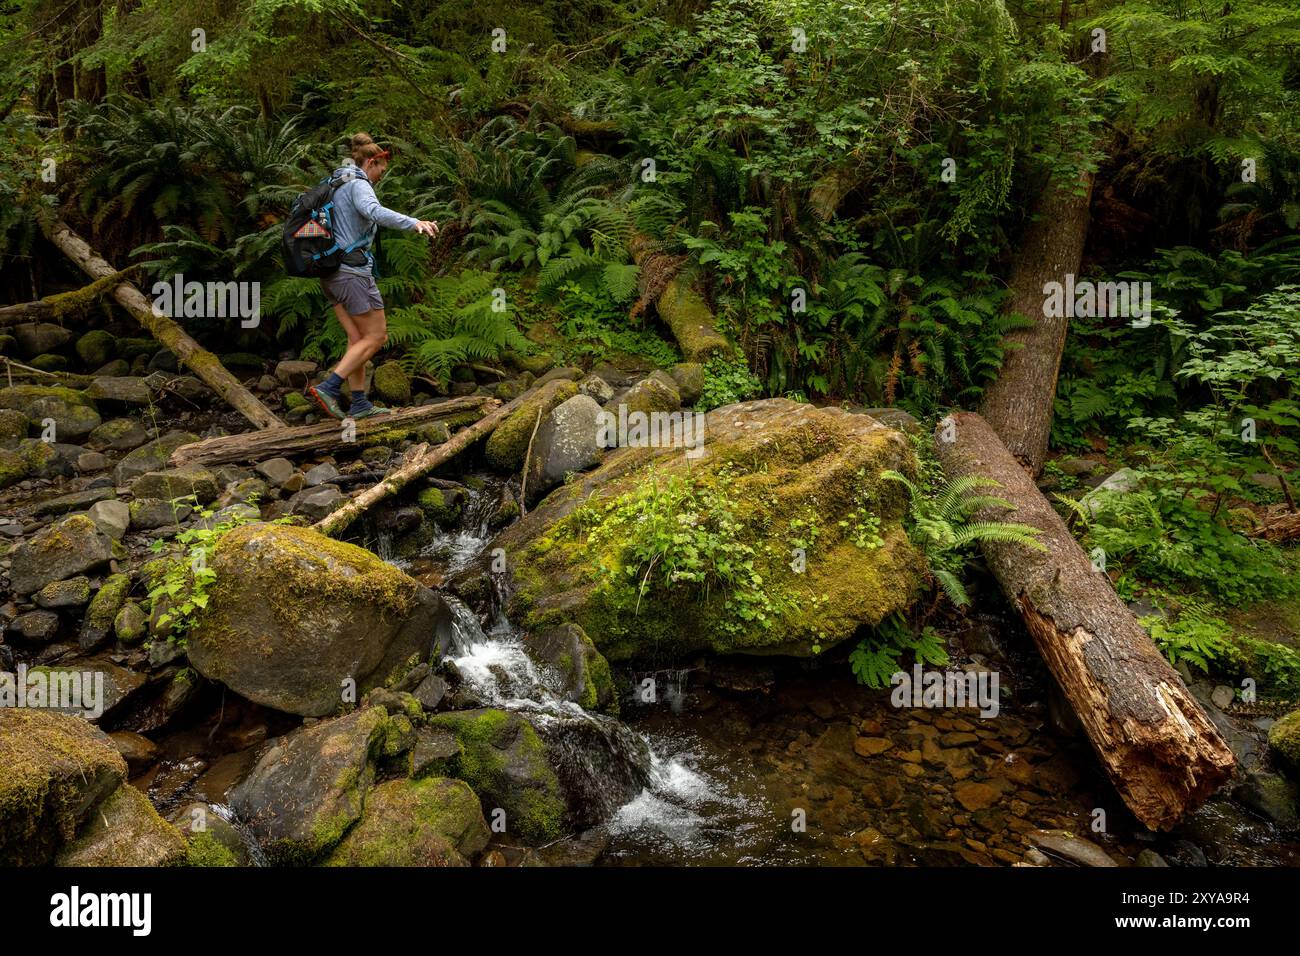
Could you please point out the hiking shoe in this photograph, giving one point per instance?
(328, 403)
(372, 410)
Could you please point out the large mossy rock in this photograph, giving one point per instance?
(504, 760)
(584, 672)
(311, 785)
(294, 618)
(125, 830)
(151, 456)
(74, 415)
(802, 502)
(508, 443)
(1284, 741)
(429, 822)
(54, 770)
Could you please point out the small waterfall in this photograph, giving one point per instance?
(461, 547)
(611, 771)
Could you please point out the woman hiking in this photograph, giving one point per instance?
(352, 289)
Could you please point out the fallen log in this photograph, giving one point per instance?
(1161, 752)
(682, 309)
(305, 439)
(421, 461)
(1283, 528)
(197, 359)
(25, 373)
(62, 304)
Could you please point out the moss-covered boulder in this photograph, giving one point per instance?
(74, 415)
(295, 619)
(1284, 742)
(172, 483)
(311, 785)
(96, 347)
(70, 546)
(781, 539)
(429, 822)
(119, 434)
(584, 673)
(13, 425)
(97, 627)
(508, 444)
(505, 762)
(211, 839)
(125, 830)
(442, 506)
(392, 384)
(53, 770)
(13, 468)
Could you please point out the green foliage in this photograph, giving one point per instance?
(940, 526)
(596, 328)
(182, 589)
(726, 381)
(1196, 637)
(676, 534)
(876, 658)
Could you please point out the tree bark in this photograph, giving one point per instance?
(420, 462)
(305, 439)
(1162, 753)
(198, 359)
(1019, 403)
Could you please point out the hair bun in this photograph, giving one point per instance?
(361, 139)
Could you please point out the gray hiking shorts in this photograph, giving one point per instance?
(358, 294)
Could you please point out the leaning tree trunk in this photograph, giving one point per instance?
(1162, 753)
(1019, 403)
(198, 359)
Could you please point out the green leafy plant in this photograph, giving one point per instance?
(939, 524)
(183, 586)
(876, 658)
(726, 381)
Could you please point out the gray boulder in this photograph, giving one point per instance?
(70, 546)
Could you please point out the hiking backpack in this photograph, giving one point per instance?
(307, 238)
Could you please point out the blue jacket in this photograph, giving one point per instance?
(358, 214)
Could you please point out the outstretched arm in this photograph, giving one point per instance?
(368, 205)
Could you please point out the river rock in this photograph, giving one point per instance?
(70, 546)
(504, 761)
(310, 786)
(1284, 742)
(37, 337)
(97, 626)
(73, 414)
(122, 390)
(74, 592)
(1066, 845)
(74, 501)
(508, 443)
(13, 425)
(597, 388)
(315, 503)
(54, 769)
(392, 384)
(565, 444)
(174, 483)
(276, 470)
(13, 467)
(111, 516)
(96, 347)
(150, 513)
(292, 373)
(36, 627)
(584, 672)
(125, 830)
(293, 615)
(137, 750)
(212, 839)
(151, 456)
(765, 463)
(689, 378)
(429, 822)
(119, 434)
(130, 623)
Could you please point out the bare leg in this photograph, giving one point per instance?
(357, 380)
(373, 327)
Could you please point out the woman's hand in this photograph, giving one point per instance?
(426, 227)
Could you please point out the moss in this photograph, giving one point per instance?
(96, 347)
(392, 384)
(427, 822)
(294, 400)
(52, 769)
(13, 468)
(108, 602)
(822, 469)
(508, 444)
(1284, 741)
(24, 397)
(691, 321)
(204, 849)
(507, 765)
(436, 506)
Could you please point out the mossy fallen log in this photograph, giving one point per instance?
(682, 309)
(197, 359)
(63, 304)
